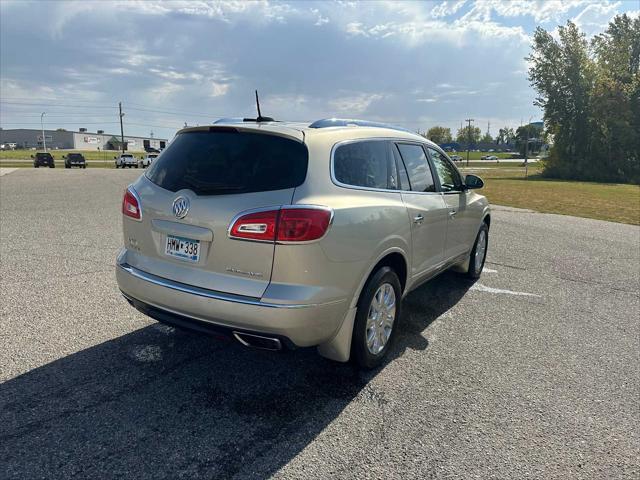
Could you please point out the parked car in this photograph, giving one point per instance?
(126, 160)
(43, 159)
(286, 236)
(456, 158)
(147, 159)
(74, 160)
(489, 157)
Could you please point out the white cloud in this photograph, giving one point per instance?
(447, 8)
(355, 104)
(219, 89)
(595, 17)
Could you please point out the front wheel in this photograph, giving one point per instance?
(376, 318)
(479, 252)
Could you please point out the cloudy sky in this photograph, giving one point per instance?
(415, 64)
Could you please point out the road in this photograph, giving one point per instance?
(533, 371)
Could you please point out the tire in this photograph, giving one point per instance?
(477, 264)
(67, 166)
(36, 166)
(52, 166)
(368, 345)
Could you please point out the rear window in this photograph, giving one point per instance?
(75, 156)
(43, 155)
(228, 161)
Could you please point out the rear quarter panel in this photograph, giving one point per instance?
(366, 225)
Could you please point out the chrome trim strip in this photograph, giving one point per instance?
(213, 294)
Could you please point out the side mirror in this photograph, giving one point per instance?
(473, 181)
(64, 156)
(115, 158)
(31, 156)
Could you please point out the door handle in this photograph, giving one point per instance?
(452, 213)
(418, 219)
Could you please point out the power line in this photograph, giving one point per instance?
(56, 105)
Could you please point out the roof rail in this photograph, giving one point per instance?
(348, 122)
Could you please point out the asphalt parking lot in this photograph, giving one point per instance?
(532, 372)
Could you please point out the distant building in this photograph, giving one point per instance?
(80, 140)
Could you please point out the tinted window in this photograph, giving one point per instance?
(403, 177)
(213, 162)
(417, 166)
(43, 156)
(447, 174)
(364, 164)
(75, 156)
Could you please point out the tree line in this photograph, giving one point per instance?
(589, 91)
(590, 94)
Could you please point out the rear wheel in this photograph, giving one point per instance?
(376, 318)
(479, 252)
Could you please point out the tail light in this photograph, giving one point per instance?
(131, 204)
(286, 224)
(256, 226)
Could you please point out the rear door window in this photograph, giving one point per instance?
(365, 163)
(415, 161)
(216, 162)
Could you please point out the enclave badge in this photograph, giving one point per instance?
(181, 207)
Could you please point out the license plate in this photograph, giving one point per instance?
(184, 248)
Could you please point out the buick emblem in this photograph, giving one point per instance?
(181, 207)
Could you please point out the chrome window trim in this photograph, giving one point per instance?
(338, 183)
(213, 294)
(279, 207)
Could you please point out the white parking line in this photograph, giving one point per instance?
(6, 171)
(483, 288)
(489, 270)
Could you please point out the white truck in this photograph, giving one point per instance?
(147, 159)
(126, 160)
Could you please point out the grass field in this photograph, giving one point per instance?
(603, 201)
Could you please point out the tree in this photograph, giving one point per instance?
(439, 135)
(464, 137)
(505, 135)
(590, 94)
(531, 134)
(486, 138)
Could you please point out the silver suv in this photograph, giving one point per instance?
(289, 235)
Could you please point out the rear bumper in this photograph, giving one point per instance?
(301, 325)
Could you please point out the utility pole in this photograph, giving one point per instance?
(468, 120)
(121, 128)
(44, 139)
(526, 151)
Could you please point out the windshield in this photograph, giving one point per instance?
(219, 162)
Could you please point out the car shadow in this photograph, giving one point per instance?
(164, 403)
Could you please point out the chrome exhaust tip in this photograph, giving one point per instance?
(258, 341)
